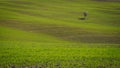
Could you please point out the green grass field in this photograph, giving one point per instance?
(50, 34)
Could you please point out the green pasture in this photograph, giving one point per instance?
(51, 34)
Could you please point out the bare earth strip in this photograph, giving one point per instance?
(63, 32)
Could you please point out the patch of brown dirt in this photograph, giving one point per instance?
(63, 32)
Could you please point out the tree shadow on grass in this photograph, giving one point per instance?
(82, 18)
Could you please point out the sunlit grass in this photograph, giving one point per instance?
(48, 34)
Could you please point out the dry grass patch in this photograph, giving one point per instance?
(64, 32)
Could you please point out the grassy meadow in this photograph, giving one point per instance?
(51, 34)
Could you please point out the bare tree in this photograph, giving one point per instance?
(85, 14)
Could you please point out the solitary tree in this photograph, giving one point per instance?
(85, 14)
